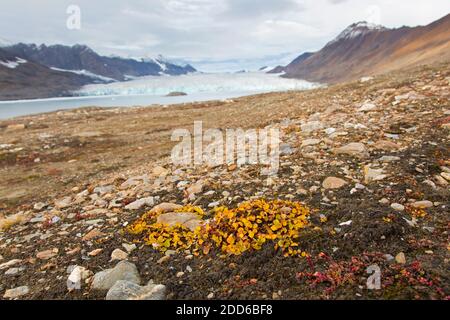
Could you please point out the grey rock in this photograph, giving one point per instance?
(140, 203)
(16, 292)
(124, 270)
(126, 290)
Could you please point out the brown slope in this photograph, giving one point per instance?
(31, 80)
(376, 52)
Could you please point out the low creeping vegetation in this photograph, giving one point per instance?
(233, 231)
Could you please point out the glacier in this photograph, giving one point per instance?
(196, 83)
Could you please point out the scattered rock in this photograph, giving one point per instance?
(91, 235)
(386, 145)
(422, 204)
(124, 270)
(47, 254)
(138, 204)
(126, 290)
(63, 203)
(368, 106)
(400, 258)
(353, 149)
(312, 126)
(16, 292)
(9, 264)
(129, 247)
(371, 175)
(95, 252)
(118, 254)
(77, 275)
(398, 207)
(445, 175)
(333, 183)
(310, 142)
(160, 171)
(16, 127)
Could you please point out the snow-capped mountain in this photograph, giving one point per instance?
(30, 71)
(24, 79)
(364, 49)
(358, 29)
(80, 58)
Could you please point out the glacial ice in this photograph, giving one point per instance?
(256, 82)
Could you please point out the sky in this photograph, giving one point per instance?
(212, 35)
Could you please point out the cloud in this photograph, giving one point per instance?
(209, 32)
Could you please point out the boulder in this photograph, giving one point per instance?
(126, 290)
(124, 270)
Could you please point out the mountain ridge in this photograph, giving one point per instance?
(363, 50)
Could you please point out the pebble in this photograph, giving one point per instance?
(129, 247)
(10, 263)
(47, 254)
(354, 149)
(400, 258)
(397, 207)
(446, 175)
(333, 183)
(95, 252)
(118, 254)
(127, 290)
(422, 204)
(16, 292)
(138, 204)
(124, 270)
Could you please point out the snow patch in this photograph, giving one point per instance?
(13, 64)
(87, 74)
(356, 30)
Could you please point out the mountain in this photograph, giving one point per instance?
(28, 71)
(80, 57)
(365, 49)
(23, 79)
(299, 59)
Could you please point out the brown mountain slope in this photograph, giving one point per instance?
(29, 80)
(361, 51)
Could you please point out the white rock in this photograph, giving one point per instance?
(124, 270)
(126, 290)
(333, 183)
(118, 254)
(10, 263)
(422, 204)
(368, 106)
(138, 204)
(354, 149)
(16, 292)
(311, 126)
(397, 207)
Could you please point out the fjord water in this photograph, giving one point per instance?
(147, 91)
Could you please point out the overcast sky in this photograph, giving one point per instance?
(211, 34)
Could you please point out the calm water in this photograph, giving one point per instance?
(10, 109)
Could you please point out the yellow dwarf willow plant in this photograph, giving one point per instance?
(233, 231)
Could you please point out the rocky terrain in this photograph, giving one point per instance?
(365, 49)
(365, 163)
